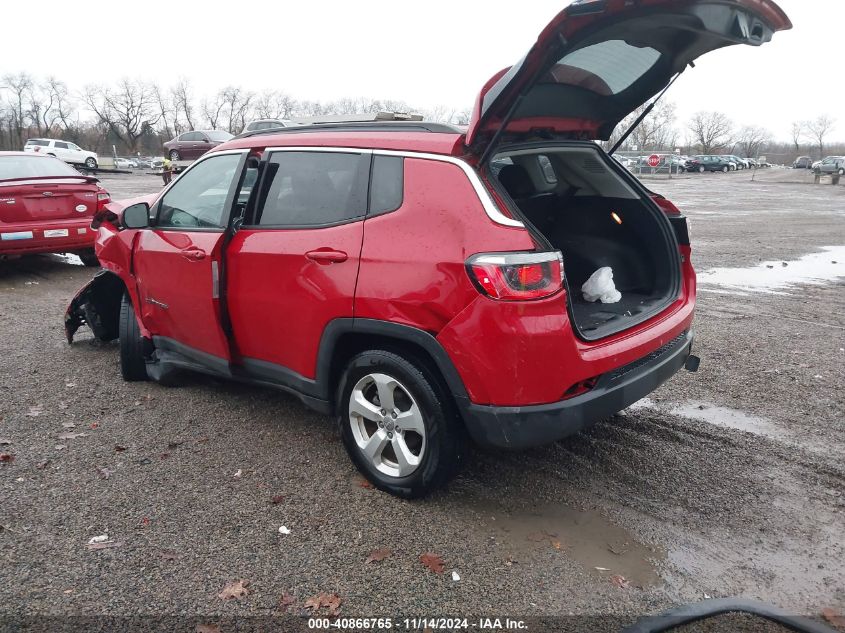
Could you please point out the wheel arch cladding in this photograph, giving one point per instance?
(98, 306)
(344, 338)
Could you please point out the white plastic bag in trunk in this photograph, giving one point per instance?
(600, 287)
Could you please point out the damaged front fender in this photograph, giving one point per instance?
(96, 305)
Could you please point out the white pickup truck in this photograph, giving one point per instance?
(63, 150)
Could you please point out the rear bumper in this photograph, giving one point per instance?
(524, 427)
(46, 237)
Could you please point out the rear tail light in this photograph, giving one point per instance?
(103, 198)
(517, 276)
(666, 206)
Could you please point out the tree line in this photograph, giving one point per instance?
(137, 116)
(716, 133)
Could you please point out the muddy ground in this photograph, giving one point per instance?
(728, 482)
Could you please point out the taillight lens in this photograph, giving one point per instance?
(103, 198)
(665, 205)
(517, 276)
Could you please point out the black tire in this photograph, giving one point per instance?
(701, 169)
(174, 154)
(89, 257)
(725, 169)
(132, 345)
(445, 437)
(91, 163)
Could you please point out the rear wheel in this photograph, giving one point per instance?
(174, 154)
(91, 162)
(398, 424)
(701, 169)
(89, 257)
(133, 365)
(841, 171)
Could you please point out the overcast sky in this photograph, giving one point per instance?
(425, 53)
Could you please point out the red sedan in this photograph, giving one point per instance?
(46, 206)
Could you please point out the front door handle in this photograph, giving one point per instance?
(194, 254)
(327, 256)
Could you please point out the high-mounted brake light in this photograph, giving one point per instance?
(517, 276)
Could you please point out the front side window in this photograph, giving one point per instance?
(198, 199)
(301, 189)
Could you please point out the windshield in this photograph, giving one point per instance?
(217, 135)
(34, 167)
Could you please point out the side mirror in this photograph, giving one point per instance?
(136, 216)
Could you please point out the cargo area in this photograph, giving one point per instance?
(583, 206)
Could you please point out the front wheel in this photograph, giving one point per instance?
(89, 257)
(174, 154)
(842, 172)
(91, 162)
(133, 346)
(701, 169)
(399, 424)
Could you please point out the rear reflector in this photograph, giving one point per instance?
(517, 276)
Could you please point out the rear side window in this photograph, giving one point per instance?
(61, 145)
(301, 189)
(37, 141)
(388, 184)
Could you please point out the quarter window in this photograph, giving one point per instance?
(313, 189)
(198, 198)
(388, 184)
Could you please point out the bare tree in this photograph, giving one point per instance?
(127, 110)
(752, 139)
(711, 131)
(183, 102)
(656, 131)
(797, 133)
(20, 87)
(272, 104)
(231, 108)
(819, 128)
(166, 111)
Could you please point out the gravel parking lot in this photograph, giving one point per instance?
(728, 482)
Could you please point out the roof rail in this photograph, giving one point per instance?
(374, 126)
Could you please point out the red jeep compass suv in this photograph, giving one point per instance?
(423, 284)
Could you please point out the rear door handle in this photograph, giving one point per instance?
(327, 256)
(194, 254)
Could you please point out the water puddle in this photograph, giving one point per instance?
(774, 277)
(599, 546)
(69, 258)
(728, 418)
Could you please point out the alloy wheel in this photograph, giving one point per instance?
(387, 425)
